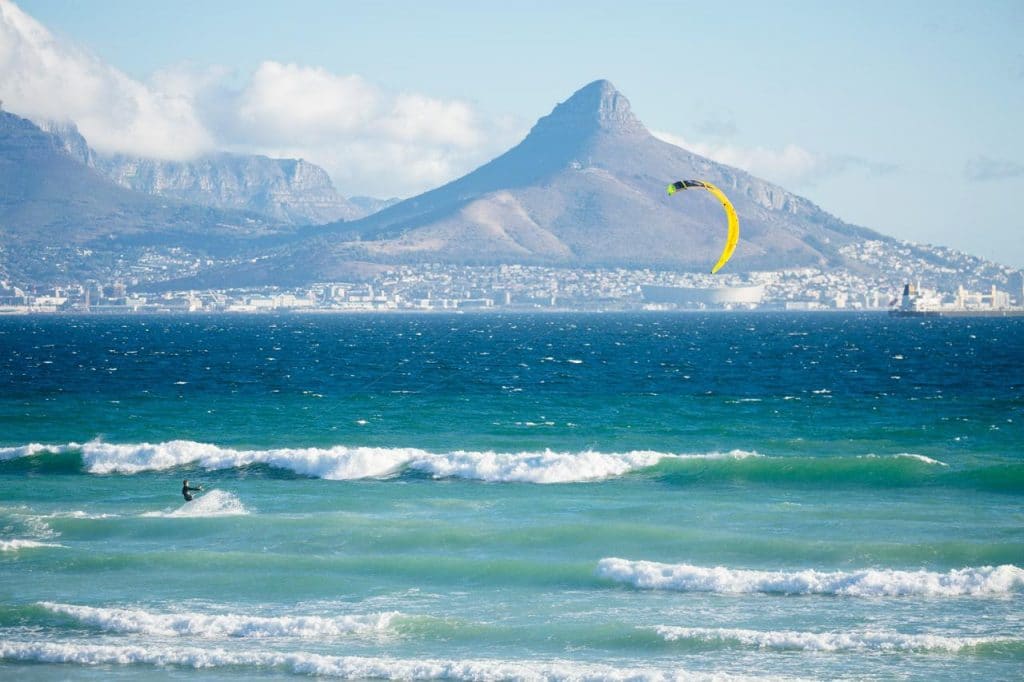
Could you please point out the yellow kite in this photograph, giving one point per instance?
(730, 212)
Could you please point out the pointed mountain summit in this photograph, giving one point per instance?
(585, 188)
(593, 108)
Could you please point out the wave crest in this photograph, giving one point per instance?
(24, 450)
(344, 463)
(983, 581)
(867, 640)
(19, 543)
(344, 667)
(527, 467)
(223, 625)
(351, 463)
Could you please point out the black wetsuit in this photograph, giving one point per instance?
(185, 490)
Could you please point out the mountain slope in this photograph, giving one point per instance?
(61, 220)
(586, 187)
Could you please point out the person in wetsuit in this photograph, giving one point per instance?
(185, 490)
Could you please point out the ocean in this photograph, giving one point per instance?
(528, 497)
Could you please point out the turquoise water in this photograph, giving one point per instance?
(512, 497)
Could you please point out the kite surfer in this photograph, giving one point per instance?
(186, 490)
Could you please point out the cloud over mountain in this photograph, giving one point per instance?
(44, 78)
(370, 140)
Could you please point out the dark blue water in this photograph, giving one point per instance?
(512, 496)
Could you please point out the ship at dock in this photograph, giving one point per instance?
(919, 302)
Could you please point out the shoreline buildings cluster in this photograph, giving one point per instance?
(436, 287)
(917, 301)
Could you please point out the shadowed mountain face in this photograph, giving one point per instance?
(586, 187)
(60, 219)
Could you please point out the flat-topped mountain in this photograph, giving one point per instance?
(61, 220)
(291, 191)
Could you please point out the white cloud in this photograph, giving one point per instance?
(792, 166)
(370, 140)
(296, 103)
(414, 117)
(42, 78)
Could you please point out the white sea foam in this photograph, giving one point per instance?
(338, 463)
(982, 581)
(909, 455)
(26, 450)
(37, 526)
(867, 640)
(534, 467)
(224, 625)
(349, 463)
(20, 543)
(213, 503)
(731, 454)
(78, 514)
(344, 667)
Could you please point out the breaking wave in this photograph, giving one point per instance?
(28, 450)
(344, 667)
(983, 581)
(18, 543)
(351, 463)
(223, 625)
(868, 640)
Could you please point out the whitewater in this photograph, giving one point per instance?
(489, 497)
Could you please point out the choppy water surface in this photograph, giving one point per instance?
(512, 497)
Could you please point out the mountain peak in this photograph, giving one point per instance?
(596, 106)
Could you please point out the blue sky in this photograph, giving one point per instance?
(901, 116)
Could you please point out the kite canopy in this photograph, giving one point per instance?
(734, 221)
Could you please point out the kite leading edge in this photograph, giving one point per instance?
(733, 237)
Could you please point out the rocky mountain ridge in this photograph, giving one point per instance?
(291, 191)
(61, 220)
